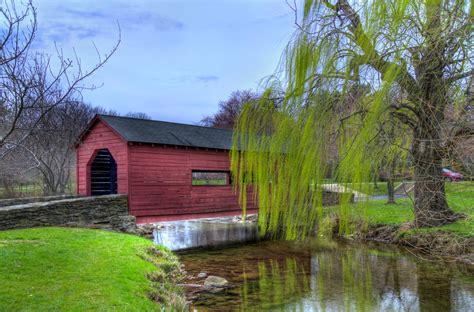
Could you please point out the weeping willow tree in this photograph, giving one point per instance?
(282, 152)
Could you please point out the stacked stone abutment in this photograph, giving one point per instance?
(108, 212)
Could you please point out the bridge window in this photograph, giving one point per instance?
(202, 177)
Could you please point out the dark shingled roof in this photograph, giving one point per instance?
(170, 133)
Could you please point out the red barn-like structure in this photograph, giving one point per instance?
(169, 171)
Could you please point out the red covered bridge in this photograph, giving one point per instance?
(170, 171)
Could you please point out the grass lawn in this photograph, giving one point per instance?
(381, 188)
(29, 190)
(460, 198)
(368, 187)
(67, 269)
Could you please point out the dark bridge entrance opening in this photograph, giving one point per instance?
(103, 174)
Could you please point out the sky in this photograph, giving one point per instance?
(177, 59)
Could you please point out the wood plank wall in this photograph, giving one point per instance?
(161, 183)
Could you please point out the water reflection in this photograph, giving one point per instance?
(328, 276)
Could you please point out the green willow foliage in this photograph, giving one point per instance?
(338, 72)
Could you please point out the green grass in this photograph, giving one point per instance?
(370, 189)
(66, 269)
(460, 198)
(29, 190)
(381, 188)
(32, 190)
(367, 187)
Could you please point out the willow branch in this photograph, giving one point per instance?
(371, 56)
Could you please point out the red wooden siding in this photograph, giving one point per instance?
(158, 179)
(161, 189)
(101, 136)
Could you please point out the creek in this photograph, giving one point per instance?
(317, 274)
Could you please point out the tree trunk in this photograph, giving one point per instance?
(390, 191)
(390, 183)
(48, 187)
(376, 176)
(431, 207)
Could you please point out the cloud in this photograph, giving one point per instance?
(63, 23)
(157, 22)
(133, 17)
(84, 13)
(207, 78)
(81, 32)
(264, 20)
(181, 80)
(62, 32)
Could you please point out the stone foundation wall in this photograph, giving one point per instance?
(110, 212)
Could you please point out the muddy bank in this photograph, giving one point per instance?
(165, 282)
(438, 245)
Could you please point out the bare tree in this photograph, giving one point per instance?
(51, 144)
(31, 84)
(229, 109)
(138, 115)
(17, 174)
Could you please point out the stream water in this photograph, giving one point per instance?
(319, 275)
(315, 275)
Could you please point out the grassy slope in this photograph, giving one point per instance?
(73, 269)
(460, 197)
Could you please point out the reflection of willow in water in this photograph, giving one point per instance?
(342, 282)
(329, 276)
(356, 280)
(277, 286)
(332, 283)
(353, 280)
